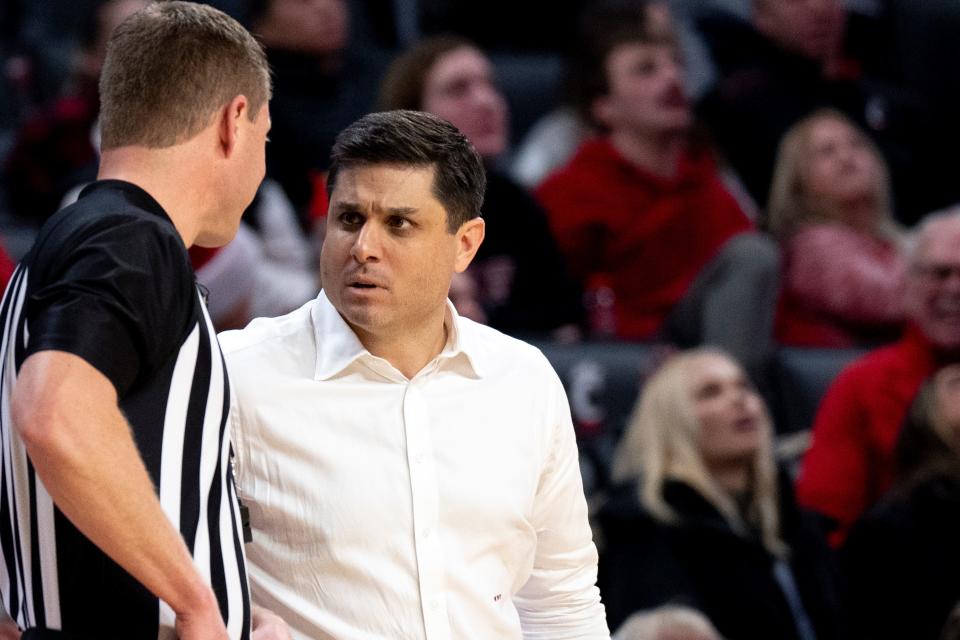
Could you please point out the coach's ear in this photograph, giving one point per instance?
(469, 237)
(229, 121)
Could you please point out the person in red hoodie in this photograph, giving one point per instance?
(643, 208)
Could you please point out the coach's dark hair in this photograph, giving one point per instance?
(416, 139)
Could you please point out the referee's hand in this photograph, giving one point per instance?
(202, 621)
(9, 630)
(267, 625)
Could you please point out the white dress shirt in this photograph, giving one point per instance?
(444, 506)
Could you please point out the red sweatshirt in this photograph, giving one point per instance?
(648, 235)
(851, 459)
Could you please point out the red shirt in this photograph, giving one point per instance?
(7, 268)
(851, 460)
(650, 236)
(841, 288)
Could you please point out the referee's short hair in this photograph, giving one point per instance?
(170, 67)
(416, 139)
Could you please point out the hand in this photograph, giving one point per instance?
(267, 626)
(202, 621)
(9, 630)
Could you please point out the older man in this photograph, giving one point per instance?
(409, 473)
(850, 463)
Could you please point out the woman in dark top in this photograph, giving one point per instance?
(702, 518)
(902, 559)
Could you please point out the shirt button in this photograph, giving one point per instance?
(419, 458)
(426, 533)
(435, 604)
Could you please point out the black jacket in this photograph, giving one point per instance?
(541, 294)
(902, 562)
(701, 562)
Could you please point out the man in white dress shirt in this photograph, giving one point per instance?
(410, 474)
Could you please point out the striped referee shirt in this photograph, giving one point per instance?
(109, 280)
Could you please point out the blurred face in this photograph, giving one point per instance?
(388, 257)
(947, 399)
(811, 28)
(841, 168)
(933, 286)
(465, 296)
(110, 16)
(658, 19)
(460, 88)
(646, 95)
(730, 411)
(310, 26)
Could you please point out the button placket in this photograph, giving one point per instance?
(424, 491)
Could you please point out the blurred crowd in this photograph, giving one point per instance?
(726, 177)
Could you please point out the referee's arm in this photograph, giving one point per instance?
(67, 415)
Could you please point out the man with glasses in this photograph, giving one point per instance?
(851, 460)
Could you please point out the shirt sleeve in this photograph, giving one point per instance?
(560, 600)
(834, 476)
(832, 271)
(120, 298)
(581, 236)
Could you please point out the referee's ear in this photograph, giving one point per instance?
(230, 119)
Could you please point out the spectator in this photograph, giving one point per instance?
(669, 622)
(701, 518)
(521, 277)
(850, 461)
(951, 631)
(842, 251)
(321, 84)
(795, 56)
(643, 208)
(56, 149)
(463, 295)
(554, 138)
(911, 592)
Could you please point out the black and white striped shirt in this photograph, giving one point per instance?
(109, 280)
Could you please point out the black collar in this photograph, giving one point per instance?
(131, 192)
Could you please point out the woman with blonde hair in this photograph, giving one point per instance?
(843, 262)
(701, 517)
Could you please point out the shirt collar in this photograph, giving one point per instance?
(134, 194)
(463, 344)
(338, 346)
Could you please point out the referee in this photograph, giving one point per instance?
(118, 513)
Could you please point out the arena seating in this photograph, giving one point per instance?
(602, 380)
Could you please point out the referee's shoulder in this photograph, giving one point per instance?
(268, 333)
